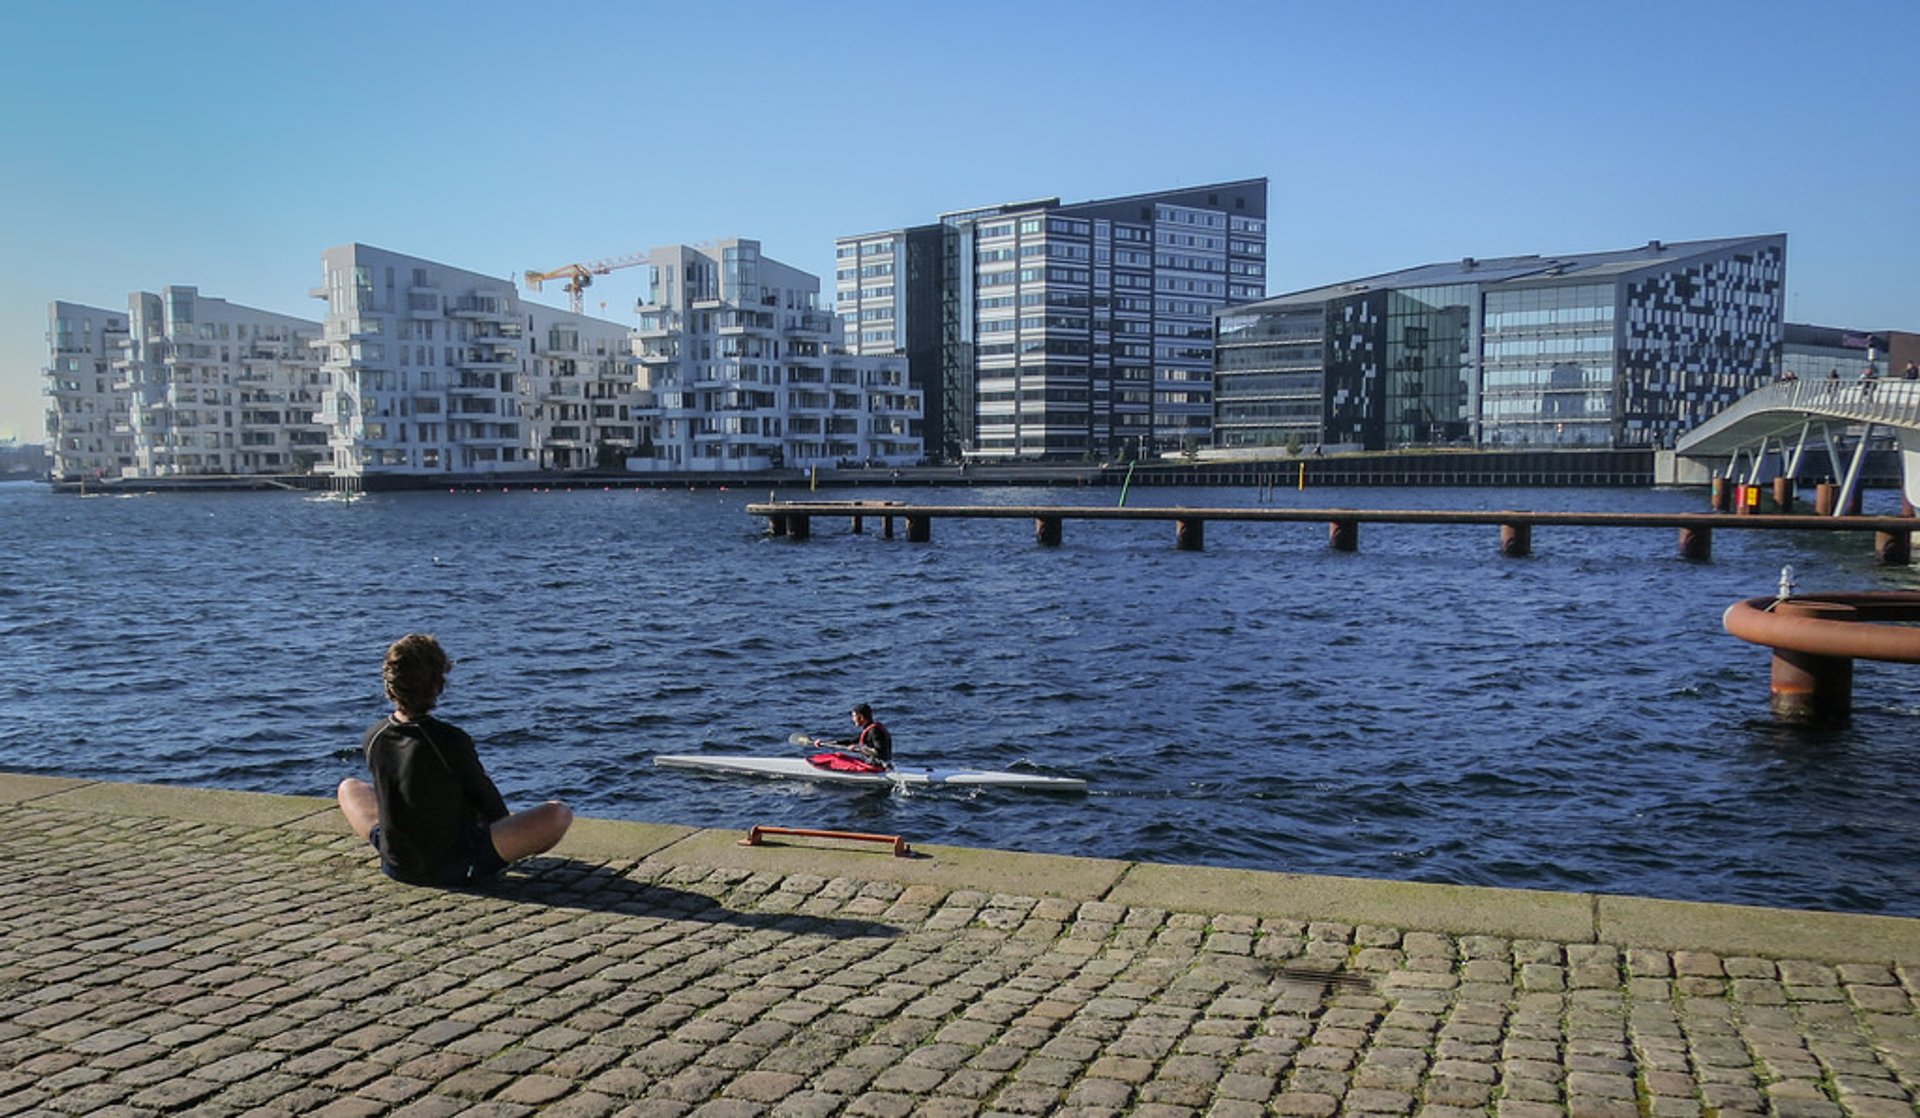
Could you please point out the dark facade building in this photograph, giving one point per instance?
(1609, 349)
(1043, 330)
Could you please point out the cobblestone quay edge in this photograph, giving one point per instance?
(174, 949)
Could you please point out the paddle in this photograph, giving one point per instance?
(803, 739)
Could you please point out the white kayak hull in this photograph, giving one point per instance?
(797, 768)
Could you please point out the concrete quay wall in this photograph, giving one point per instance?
(169, 949)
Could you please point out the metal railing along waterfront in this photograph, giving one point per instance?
(793, 519)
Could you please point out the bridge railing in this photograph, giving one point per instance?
(1875, 401)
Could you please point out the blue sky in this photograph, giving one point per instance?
(226, 144)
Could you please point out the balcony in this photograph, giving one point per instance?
(486, 359)
(480, 308)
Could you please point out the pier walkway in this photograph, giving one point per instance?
(170, 950)
(1892, 534)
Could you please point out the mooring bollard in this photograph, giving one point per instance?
(1805, 686)
(1516, 540)
(1696, 543)
(1190, 534)
(1344, 535)
(1046, 531)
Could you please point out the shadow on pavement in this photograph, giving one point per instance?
(591, 887)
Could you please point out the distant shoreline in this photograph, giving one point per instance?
(1419, 469)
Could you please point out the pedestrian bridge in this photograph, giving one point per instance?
(1768, 432)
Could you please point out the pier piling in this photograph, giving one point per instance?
(1344, 535)
(1046, 531)
(1190, 534)
(1696, 543)
(1516, 540)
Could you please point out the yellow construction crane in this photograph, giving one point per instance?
(579, 277)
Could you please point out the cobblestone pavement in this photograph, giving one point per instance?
(153, 965)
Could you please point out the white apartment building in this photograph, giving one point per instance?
(437, 370)
(87, 431)
(746, 372)
(579, 397)
(218, 388)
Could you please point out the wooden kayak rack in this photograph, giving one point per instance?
(756, 833)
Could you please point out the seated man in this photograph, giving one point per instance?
(432, 812)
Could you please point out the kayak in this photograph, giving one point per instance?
(797, 768)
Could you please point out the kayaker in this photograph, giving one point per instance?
(432, 812)
(872, 738)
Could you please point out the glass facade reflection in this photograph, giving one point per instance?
(1547, 367)
(1430, 335)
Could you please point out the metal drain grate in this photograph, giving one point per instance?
(1329, 979)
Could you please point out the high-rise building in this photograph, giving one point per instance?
(746, 372)
(218, 388)
(87, 431)
(1607, 349)
(1042, 330)
(437, 370)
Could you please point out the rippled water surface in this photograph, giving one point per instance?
(1422, 709)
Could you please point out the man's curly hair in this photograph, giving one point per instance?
(416, 671)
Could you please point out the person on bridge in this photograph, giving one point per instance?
(1911, 372)
(432, 812)
(1866, 382)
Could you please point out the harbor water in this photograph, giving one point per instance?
(1422, 709)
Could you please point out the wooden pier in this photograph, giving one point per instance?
(794, 520)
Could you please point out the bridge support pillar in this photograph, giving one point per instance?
(1046, 531)
(919, 529)
(1783, 494)
(1516, 540)
(1344, 535)
(1696, 543)
(1893, 549)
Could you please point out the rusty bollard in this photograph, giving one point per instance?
(1805, 686)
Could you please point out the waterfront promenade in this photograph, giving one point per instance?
(182, 950)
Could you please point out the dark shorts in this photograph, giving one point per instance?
(477, 861)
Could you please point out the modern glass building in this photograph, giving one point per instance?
(1610, 349)
(1042, 330)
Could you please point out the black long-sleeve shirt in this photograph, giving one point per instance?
(432, 790)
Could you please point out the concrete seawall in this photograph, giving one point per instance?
(172, 949)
